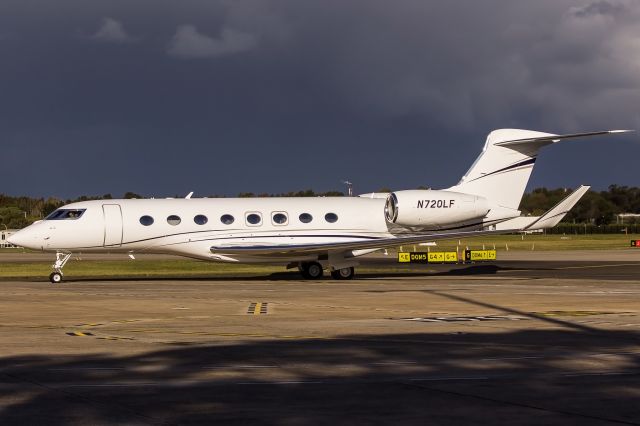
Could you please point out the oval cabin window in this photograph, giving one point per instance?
(146, 220)
(331, 217)
(226, 219)
(305, 218)
(254, 219)
(279, 219)
(200, 219)
(174, 220)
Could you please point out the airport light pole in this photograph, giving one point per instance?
(349, 187)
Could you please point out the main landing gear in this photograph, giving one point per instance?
(61, 259)
(313, 271)
(343, 274)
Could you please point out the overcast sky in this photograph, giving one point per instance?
(220, 97)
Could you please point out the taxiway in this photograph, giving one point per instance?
(519, 342)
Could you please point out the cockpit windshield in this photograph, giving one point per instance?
(66, 214)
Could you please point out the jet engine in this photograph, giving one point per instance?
(433, 209)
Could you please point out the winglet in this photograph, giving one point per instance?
(558, 212)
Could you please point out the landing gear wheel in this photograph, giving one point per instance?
(311, 270)
(343, 274)
(61, 259)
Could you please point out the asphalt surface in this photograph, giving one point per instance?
(516, 342)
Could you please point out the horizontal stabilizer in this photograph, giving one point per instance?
(549, 139)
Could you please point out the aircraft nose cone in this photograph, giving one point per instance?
(23, 238)
(14, 239)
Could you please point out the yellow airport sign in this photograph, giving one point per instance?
(428, 257)
(416, 257)
(419, 257)
(479, 255)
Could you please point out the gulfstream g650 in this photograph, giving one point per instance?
(313, 234)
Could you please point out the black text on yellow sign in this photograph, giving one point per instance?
(428, 257)
(479, 255)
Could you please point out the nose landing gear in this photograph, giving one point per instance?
(61, 259)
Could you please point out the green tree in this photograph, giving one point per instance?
(13, 217)
(130, 195)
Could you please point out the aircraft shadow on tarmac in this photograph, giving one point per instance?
(521, 377)
(441, 270)
(286, 276)
(521, 269)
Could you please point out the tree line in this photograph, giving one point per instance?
(595, 208)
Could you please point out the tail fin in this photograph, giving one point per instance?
(502, 171)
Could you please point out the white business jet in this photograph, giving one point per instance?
(313, 234)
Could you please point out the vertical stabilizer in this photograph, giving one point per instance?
(502, 171)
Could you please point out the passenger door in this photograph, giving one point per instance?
(112, 225)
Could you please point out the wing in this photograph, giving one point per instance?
(323, 248)
(557, 213)
(550, 218)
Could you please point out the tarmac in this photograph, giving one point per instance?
(535, 338)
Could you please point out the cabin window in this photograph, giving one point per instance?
(227, 219)
(174, 220)
(146, 220)
(200, 219)
(253, 219)
(331, 217)
(305, 218)
(279, 218)
(66, 214)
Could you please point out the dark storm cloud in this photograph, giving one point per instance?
(598, 8)
(189, 43)
(112, 31)
(220, 97)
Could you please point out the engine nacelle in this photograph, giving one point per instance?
(433, 209)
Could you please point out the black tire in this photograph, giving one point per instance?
(55, 277)
(311, 270)
(343, 274)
